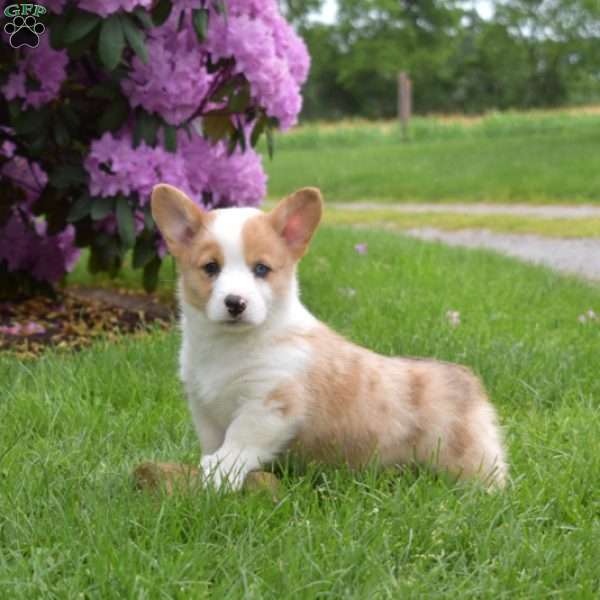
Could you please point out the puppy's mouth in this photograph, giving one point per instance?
(236, 323)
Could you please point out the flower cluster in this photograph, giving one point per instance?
(25, 245)
(266, 50)
(46, 66)
(199, 168)
(107, 7)
(55, 6)
(174, 80)
(268, 53)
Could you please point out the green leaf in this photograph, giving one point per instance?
(232, 144)
(219, 6)
(240, 101)
(125, 221)
(70, 116)
(170, 133)
(200, 20)
(161, 12)
(149, 224)
(81, 24)
(111, 42)
(270, 142)
(258, 129)
(135, 38)
(144, 251)
(80, 209)
(241, 138)
(65, 176)
(14, 109)
(146, 129)
(61, 133)
(103, 91)
(150, 276)
(57, 34)
(114, 116)
(102, 207)
(144, 17)
(237, 138)
(31, 121)
(224, 90)
(217, 125)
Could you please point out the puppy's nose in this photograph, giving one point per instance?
(235, 304)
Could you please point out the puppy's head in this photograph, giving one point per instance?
(237, 264)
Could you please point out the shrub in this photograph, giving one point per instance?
(120, 95)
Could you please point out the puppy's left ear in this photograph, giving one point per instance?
(296, 217)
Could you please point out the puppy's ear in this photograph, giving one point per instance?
(177, 217)
(296, 217)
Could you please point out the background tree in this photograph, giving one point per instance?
(531, 53)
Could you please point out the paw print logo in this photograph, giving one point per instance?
(24, 31)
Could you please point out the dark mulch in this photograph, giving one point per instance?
(77, 317)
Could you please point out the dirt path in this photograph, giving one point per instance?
(572, 256)
(549, 211)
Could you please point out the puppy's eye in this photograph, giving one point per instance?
(211, 269)
(261, 270)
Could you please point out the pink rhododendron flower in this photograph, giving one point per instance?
(44, 64)
(108, 7)
(174, 80)
(269, 54)
(200, 168)
(25, 246)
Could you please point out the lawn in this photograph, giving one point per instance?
(74, 426)
(513, 157)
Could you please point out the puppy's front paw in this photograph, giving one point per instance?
(220, 471)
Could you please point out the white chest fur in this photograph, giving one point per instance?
(223, 371)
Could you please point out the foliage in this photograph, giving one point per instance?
(121, 95)
(531, 53)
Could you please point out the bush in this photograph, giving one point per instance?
(120, 95)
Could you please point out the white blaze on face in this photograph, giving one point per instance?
(236, 277)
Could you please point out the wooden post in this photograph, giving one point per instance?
(404, 101)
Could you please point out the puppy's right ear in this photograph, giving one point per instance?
(177, 217)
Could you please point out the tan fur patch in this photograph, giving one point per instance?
(359, 406)
(460, 440)
(262, 244)
(416, 389)
(196, 284)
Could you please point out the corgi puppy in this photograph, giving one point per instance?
(262, 375)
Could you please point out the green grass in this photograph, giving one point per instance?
(73, 427)
(536, 158)
(565, 228)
